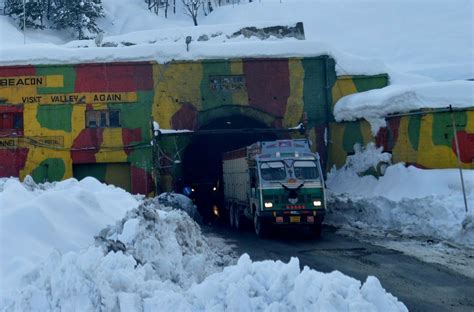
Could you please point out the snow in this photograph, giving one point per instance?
(374, 105)
(406, 201)
(350, 31)
(63, 216)
(421, 37)
(153, 258)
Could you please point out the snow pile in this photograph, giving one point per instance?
(181, 202)
(152, 259)
(374, 105)
(405, 200)
(35, 219)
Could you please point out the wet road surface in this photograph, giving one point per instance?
(421, 286)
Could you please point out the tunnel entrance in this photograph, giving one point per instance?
(202, 160)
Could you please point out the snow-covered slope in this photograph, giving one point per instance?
(431, 38)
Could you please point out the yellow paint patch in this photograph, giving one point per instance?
(239, 97)
(344, 86)
(403, 151)
(111, 149)
(366, 132)
(55, 81)
(336, 153)
(174, 84)
(295, 105)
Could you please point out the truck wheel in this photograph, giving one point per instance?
(231, 215)
(237, 219)
(260, 227)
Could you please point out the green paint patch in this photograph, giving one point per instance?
(69, 78)
(141, 158)
(97, 171)
(414, 124)
(55, 117)
(352, 135)
(49, 170)
(315, 96)
(136, 115)
(214, 98)
(443, 133)
(366, 83)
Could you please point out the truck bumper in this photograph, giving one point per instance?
(293, 217)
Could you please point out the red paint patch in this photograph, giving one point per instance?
(14, 71)
(185, 117)
(86, 145)
(382, 138)
(466, 146)
(130, 136)
(12, 161)
(11, 109)
(142, 182)
(114, 77)
(268, 85)
(394, 127)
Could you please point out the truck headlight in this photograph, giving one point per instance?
(317, 203)
(268, 205)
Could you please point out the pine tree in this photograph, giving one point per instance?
(80, 15)
(34, 12)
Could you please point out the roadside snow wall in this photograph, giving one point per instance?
(405, 200)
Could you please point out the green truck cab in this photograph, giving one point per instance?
(274, 183)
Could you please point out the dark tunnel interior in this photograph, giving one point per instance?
(202, 159)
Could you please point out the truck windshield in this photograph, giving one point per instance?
(273, 171)
(306, 170)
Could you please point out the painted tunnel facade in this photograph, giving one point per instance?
(62, 121)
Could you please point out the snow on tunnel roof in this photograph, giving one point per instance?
(169, 45)
(375, 105)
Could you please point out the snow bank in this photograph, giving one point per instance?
(65, 216)
(157, 260)
(405, 200)
(374, 105)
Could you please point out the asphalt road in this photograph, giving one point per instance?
(421, 286)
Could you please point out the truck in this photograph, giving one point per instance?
(274, 183)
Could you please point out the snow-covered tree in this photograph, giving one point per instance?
(34, 10)
(191, 8)
(80, 15)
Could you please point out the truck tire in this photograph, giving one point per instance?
(231, 215)
(237, 219)
(259, 226)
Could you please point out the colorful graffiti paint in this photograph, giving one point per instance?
(424, 139)
(86, 114)
(62, 121)
(52, 135)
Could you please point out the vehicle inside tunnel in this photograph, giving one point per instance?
(202, 159)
